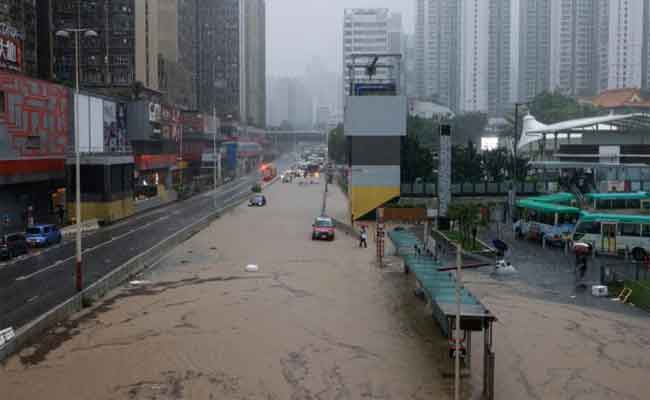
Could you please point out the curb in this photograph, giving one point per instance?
(27, 333)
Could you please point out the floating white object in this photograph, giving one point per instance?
(138, 283)
(504, 267)
(252, 268)
(6, 335)
(599, 290)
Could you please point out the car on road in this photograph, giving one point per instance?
(257, 201)
(13, 245)
(323, 228)
(43, 235)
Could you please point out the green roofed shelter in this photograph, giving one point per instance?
(561, 197)
(547, 208)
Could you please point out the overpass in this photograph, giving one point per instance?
(280, 137)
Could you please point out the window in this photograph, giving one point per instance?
(33, 143)
(630, 229)
(645, 231)
(589, 228)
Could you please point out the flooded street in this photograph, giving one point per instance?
(318, 321)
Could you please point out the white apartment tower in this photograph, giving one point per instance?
(463, 54)
(437, 46)
(626, 44)
(579, 34)
(369, 30)
(474, 55)
(533, 37)
(500, 71)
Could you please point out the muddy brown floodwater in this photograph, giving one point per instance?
(318, 321)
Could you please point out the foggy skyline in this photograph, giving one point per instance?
(299, 31)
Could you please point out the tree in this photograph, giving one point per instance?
(465, 164)
(137, 88)
(495, 164)
(467, 217)
(424, 130)
(468, 126)
(417, 161)
(337, 145)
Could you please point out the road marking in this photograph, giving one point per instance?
(88, 250)
(165, 217)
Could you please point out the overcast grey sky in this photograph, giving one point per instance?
(299, 30)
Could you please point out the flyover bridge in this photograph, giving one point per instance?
(284, 137)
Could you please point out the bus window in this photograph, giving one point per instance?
(619, 204)
(589, 228)
(645, 230)
(602, 204)
(630, 229)
(634, 203)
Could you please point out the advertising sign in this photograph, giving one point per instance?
(11, 48)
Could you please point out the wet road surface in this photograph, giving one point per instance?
(318, 321)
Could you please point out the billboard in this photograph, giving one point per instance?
(11, 48)
(101, 124)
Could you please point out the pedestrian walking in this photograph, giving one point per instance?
(61, 214)
(363, 238)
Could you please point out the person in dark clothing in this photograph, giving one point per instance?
(61, 213)
(363, 238)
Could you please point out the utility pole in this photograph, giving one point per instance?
(456, 334)
(513, 192)
(214, 158)
(65, 33)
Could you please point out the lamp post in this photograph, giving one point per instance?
(214, 158)
(513, 192)
(65, 33)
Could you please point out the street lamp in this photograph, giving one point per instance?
(65, 33)
(515, 135)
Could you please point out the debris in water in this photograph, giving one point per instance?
(251, 268)
(139, 283)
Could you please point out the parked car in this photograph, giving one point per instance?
(257, 201)
(322, 228)
(43, 235)
(13, 245)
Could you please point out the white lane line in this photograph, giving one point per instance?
(220, 190)
(56, 264)
(88, 250)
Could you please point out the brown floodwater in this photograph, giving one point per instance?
(318, 321)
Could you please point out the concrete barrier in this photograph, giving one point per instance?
(29, 332)
(86, 226)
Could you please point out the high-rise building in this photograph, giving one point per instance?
(369, 30)
(645, 72)
(229, 50)
(576, 54)
(174, 77)
(466, 69)
(625, 49)
(474, 46)
(437, 42)
(533, 36)
(252, 101)
(147, 42)
(108, 59)
(500, 71)
(19, 36)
